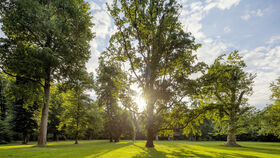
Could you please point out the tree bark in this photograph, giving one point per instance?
(231, 138)
(76, 139)
(150, 128)
(44, 118)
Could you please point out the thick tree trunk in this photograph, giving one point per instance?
(76, 139)
(231, 138)
(150, 128)
(44, 118)
(150, 137)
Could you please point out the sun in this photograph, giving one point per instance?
(140, 101)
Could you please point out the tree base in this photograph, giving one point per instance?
(150, 144)
(233, 144)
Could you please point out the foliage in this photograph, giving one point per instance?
(45, 41)
(112, 88)
(270, 116)
(225, 86)
(159, 52)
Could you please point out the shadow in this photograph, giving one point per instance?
(149, 152)
(67, 149)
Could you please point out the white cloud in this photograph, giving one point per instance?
(253, 13)
(94, 6)
(103, 24)
(227, 29)
(226, 4)
(264, 61)
(193, 13)
(273, 39)
(211, 49)
(246, 17)
(103, 28)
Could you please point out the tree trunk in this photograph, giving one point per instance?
(157, 137)
(231, 138)
(150, 130)
(150, 137)
(25, 138)
(76, 139)
(117, 139)
(44, 118)
(111, 139)
(77, 123)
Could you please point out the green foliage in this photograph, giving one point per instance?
(45, 42)
(5, 131)
(151, 39)
(270, 116)
(56, 111)
(112, 88)
(225, 86)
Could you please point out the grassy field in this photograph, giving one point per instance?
(123, 149)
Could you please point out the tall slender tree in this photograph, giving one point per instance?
(46, 41)
(109, 85)
(151, 39)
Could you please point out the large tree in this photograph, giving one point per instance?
(226, 85)
(151, 39)
(46, 41)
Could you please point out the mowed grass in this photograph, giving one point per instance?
(126, 149)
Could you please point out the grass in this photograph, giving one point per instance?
(123, 149)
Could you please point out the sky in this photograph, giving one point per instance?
(221, 26)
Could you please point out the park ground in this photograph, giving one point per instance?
(127, 149)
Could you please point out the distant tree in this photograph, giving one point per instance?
(270, 117)
(25, 107)
(3, 97)
(110, 84)
(5, 130)
(159, 53)
(56, 110)
(45, 42)
(226, 85)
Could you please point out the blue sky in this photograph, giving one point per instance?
(250, 26)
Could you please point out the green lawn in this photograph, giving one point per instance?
(123, 149)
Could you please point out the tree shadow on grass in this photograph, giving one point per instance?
(149, 152)
(186, 152)
(94, 149)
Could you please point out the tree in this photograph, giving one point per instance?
(56, 110)
(270, 117)
(3, 97)
(78, 103)
(226, 85)
(110, 82)
(159, 52)
(25, 107)
(5, 130)
(46, 41)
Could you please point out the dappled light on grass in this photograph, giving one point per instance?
(137, 149)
